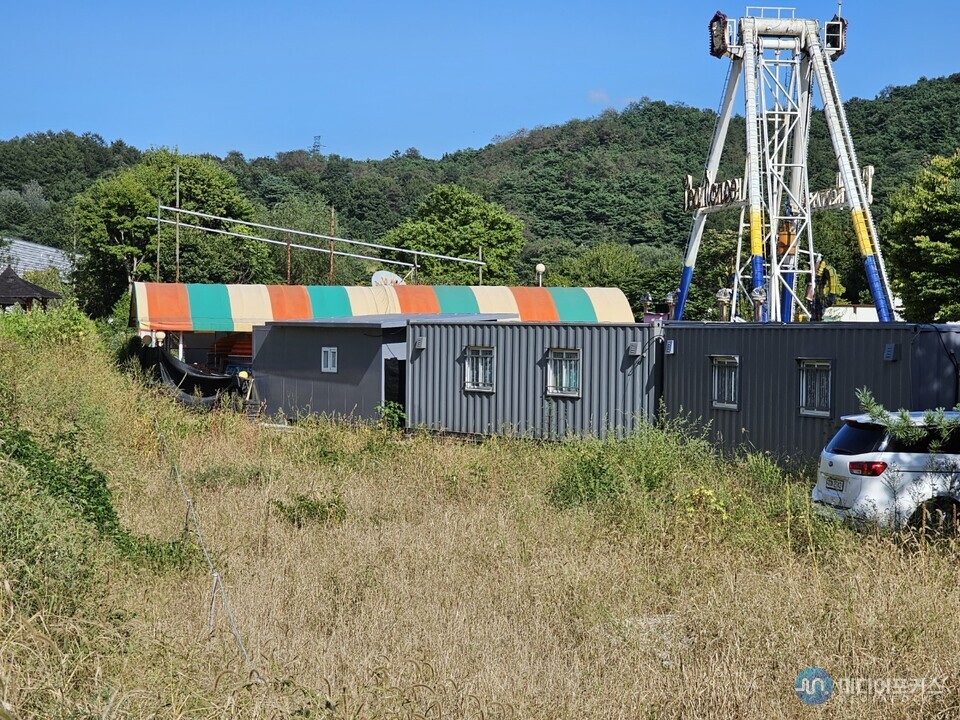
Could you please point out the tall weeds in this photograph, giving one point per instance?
(376, 575)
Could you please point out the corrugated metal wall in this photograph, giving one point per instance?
(286, 365)
(935, 378)
(616, 388)
(921, 376)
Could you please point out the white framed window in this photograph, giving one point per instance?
(328, 360)
(816, 386)
(563, 372)
(726, 382)
(478, 368)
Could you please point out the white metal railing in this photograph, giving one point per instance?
(243, 236)
(767, 11)
(331, 238)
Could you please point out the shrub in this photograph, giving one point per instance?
(587, 475)
(120, 340)
(303, 509)
(47, 554)
(652, 456)
(392, 416)
(763, 471)
(701, 504)
(221, 476)
(63, 475)
(64, 324)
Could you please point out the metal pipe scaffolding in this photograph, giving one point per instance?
(416, 253)
(282, 242)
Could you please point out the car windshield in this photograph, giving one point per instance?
(856, 439)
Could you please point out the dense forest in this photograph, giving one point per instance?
(600, 200)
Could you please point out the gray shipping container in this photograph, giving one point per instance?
(904, 366)
(290, 378)
(618, 378)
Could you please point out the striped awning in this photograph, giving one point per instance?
(237, 308)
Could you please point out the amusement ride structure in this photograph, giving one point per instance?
(781, 58)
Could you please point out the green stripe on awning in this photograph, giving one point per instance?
(329, 301)
(573, 304)
(458, 300)
(209, 307)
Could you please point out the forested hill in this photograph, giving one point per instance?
(902, 128)
(616, 177)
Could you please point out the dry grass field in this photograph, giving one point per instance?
(376, 575)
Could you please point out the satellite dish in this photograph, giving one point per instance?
(385, 277)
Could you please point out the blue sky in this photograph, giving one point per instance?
(370, 77)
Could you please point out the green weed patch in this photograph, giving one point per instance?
(64, 475)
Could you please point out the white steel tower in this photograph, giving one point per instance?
(780, 58)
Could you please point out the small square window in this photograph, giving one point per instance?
(563, 372)
(726, 382)
(328, 360)
(816, 387)
(478, 368)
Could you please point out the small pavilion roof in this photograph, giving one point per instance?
(14, 289)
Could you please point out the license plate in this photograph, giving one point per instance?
(833, 483)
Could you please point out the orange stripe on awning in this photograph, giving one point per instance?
(535, 304)
(417, 299)
(290, 302)
(169, 306)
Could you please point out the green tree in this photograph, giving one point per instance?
(834, 238)
(62, 163)
(310, 214)
(715, 265)
(636, 270)
(51, 279)
(118, 243)
(609, 265)
(923, 242)
(30, 215)
(453, 221)
(558, 256)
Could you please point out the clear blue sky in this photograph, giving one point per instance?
(370, 77)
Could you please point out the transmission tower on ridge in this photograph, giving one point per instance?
(780, 57)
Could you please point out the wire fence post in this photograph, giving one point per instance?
(213, 602)
(217, 588)
(186, 522)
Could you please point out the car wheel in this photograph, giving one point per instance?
(939, 516)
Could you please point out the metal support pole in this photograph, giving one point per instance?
(333, 227)
(158, 240)
(800, 194)
(839, 134)
(709, 176)
(753, 152)
(178, 225)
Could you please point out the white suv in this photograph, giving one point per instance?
(868, 476)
